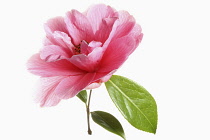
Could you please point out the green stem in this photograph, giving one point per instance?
(88, 113)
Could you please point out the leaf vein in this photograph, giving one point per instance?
(131, 102)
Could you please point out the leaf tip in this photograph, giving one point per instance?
(108, 122)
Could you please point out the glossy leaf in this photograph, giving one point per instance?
(134, 102)
(82, 95)
(109, 122)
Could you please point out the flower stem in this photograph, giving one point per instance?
(88, 113)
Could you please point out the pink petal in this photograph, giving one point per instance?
(119, 49)
(93, 86)
(79, 27)
(46, 95)
(105, 28)
(122, 26)
(88, 48)
(99, 79)
(88, 62)
(58, 38)
(82, 62)
(52, 53)
(84, 47)
(70, 86)
(116, 53)
(97, 13)
(55, 24)
(137, 34)
(59, 68)
(103, 76)
(106, 78)
(92, 45)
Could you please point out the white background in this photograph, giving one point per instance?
(172, 63)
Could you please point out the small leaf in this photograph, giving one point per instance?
(109, 122)
(134, 102)
(82, 95)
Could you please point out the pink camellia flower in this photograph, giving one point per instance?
(83, 50)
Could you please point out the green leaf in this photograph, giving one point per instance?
(109, 122)
(82, 95)
(134, 102)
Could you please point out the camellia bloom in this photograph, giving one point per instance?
(83, 50)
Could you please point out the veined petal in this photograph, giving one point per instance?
(97, 13)
(88, 62)
(99, 79)
(137, 34)
(88, 48)
(92, 45)
(100, 75)
(105, 29)
(116, 53)
(60, 39)
(55, 24)
(122, 26)
(79, 27)
(45, 94)
(70, 86)
(52, 53)
(46, 69)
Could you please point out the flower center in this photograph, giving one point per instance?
(77, 49)
(81, 48)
